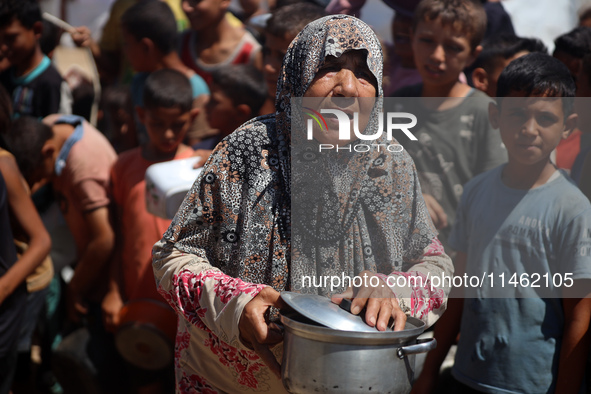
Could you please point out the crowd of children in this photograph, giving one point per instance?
(179, 76)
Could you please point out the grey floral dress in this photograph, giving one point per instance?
(233, 233)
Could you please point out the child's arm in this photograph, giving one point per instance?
(27, 218)
(113, 300)
(94, 258)
(445, 332)
(575, 341)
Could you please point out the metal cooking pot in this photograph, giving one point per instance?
(322, 359)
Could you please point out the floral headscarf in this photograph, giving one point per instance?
(238, 213)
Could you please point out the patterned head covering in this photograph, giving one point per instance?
(238, 214)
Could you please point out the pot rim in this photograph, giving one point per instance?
(325, 334)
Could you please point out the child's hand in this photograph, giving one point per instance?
(111, 306)
(75, 304)
(82, 36)
(435, 211)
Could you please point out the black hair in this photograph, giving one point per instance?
(152, 19)
(538, 74)
(284, 3)
(25, 140)
(504, 47)
(586, 66)
(27, 12)
(243, 84)
(168, 88)
(291, 19)
(576, 43)
(50, 37)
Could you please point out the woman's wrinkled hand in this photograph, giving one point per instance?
(438, 215)
(380, 302)
(256, 333)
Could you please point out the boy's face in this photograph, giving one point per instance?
(402, 37)
(441, 52)
(136, 52)
(204, 13)
(222, 114)
(166, 127)
(17, 43)
(531, 127)
(273, 54)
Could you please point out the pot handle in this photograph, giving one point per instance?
(422, 346)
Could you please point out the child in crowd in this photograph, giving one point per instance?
(496, 54)
(108, 53)
(455, 139)
(167, 114)
(584, 124)
(399, 64)
(150, 37)
(117, 121)
(238, 92)
(37, 89)
(76, 158)
(570, 48)
(524, 217)
(214, 41)
(26, 225)
(282, 27)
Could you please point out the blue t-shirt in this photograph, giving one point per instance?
(511, 345)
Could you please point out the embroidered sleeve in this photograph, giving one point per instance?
(418, 294)
(204, 295)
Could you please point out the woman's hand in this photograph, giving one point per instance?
(256, 333)
(436, 212)
(380, 302)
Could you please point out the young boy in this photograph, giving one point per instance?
(150, 35)
(237, 94)
(496, 54)
(167, 114)
(284, 24)
(399, 65)
(524, 218)
(76, 158)
(571, 47)
(455, 140)
(36, 87)
(213, 41)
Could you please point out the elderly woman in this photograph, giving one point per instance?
(231, 249)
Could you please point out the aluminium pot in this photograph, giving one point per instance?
(321, 359)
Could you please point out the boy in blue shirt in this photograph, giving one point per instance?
(37, 89)
(524, 218)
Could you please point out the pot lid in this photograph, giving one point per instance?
(322, 310)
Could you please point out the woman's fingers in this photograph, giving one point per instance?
(256, 332)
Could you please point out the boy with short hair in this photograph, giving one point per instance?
(571, 47)
(213, 41)
(150, 35)
(282, 27)
(76, 158)
(455, 139)
(238, 92)
(37, 89)
(496, 54)
(526, 218)
(167, 114)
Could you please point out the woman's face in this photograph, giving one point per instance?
(344, 76)
(339, 84)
